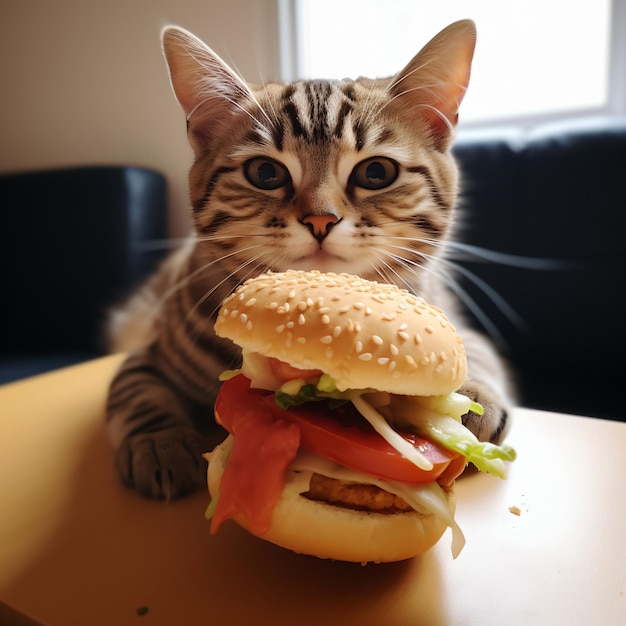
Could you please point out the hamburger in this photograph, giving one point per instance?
(345, 434)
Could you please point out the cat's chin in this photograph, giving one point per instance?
(326, 262)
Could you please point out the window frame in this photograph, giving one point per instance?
(292, 49)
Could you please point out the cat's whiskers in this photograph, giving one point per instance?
(433, 263)
(422, 105)
(196, 274)
(276, 121)
(393, 276)
(471, 253)
(372, 109)
(227, 277)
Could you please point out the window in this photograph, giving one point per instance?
(533, 57)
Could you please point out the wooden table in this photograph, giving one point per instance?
(77, 548)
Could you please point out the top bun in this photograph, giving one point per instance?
(363, 333)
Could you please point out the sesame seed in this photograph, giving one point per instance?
(325, 309)
(394, 349)
(234, 313)
(273, 306)
(368, 311)
(358, 305)
(383, 360)
(350, 325)
(404, 336)
(244, 318)
(329, 352)
(392, 366)
(366, 356)
(302, 306)
(292, 293)
(280, 328)
(301, 320)
(377, 340)
(326, 339)
(443, 356)
(301, 339)
(325, 319)
(344, 309)
(358, 346)
(249, 325)
(225, 312)
(290, 324)
(337, 331)
(411, 361)
(388, 317)
(250, 302)
(429, 329)
(417, 339)
(425, 360)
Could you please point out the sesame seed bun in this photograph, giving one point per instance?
(329, 531)
(363, 333)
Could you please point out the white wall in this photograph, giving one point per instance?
(84, 82)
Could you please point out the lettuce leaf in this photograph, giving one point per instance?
(487, 457)
(297, 392)
(439, 419)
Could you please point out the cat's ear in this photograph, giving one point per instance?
(433, 84)
(208, 90)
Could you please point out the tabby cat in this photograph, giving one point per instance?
(342, 176)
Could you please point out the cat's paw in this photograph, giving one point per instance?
(492, 424)
(164, 464)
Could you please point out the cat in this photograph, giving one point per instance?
(348, 176)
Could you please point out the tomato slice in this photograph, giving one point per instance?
(343, 435)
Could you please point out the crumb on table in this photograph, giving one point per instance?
(515, 510)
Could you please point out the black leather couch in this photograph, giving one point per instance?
(72, 242)
(553, 201)
(549, 203)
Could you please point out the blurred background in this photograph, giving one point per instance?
(84, 82)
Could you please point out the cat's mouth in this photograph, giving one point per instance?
(327, 262)
(317, 258)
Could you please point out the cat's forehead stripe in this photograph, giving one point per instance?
(317, 111)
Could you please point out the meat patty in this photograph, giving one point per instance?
(354, 495)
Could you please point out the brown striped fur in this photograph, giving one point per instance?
(322, 133)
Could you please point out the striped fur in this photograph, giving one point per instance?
(320, 135)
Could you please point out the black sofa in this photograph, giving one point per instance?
(543, 212)
(553, 201)
(73, 242)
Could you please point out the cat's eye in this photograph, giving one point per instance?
(374, 173)
(266, 173)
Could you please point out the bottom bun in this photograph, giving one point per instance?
(328, 531)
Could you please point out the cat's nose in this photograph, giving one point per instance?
(320, 225)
